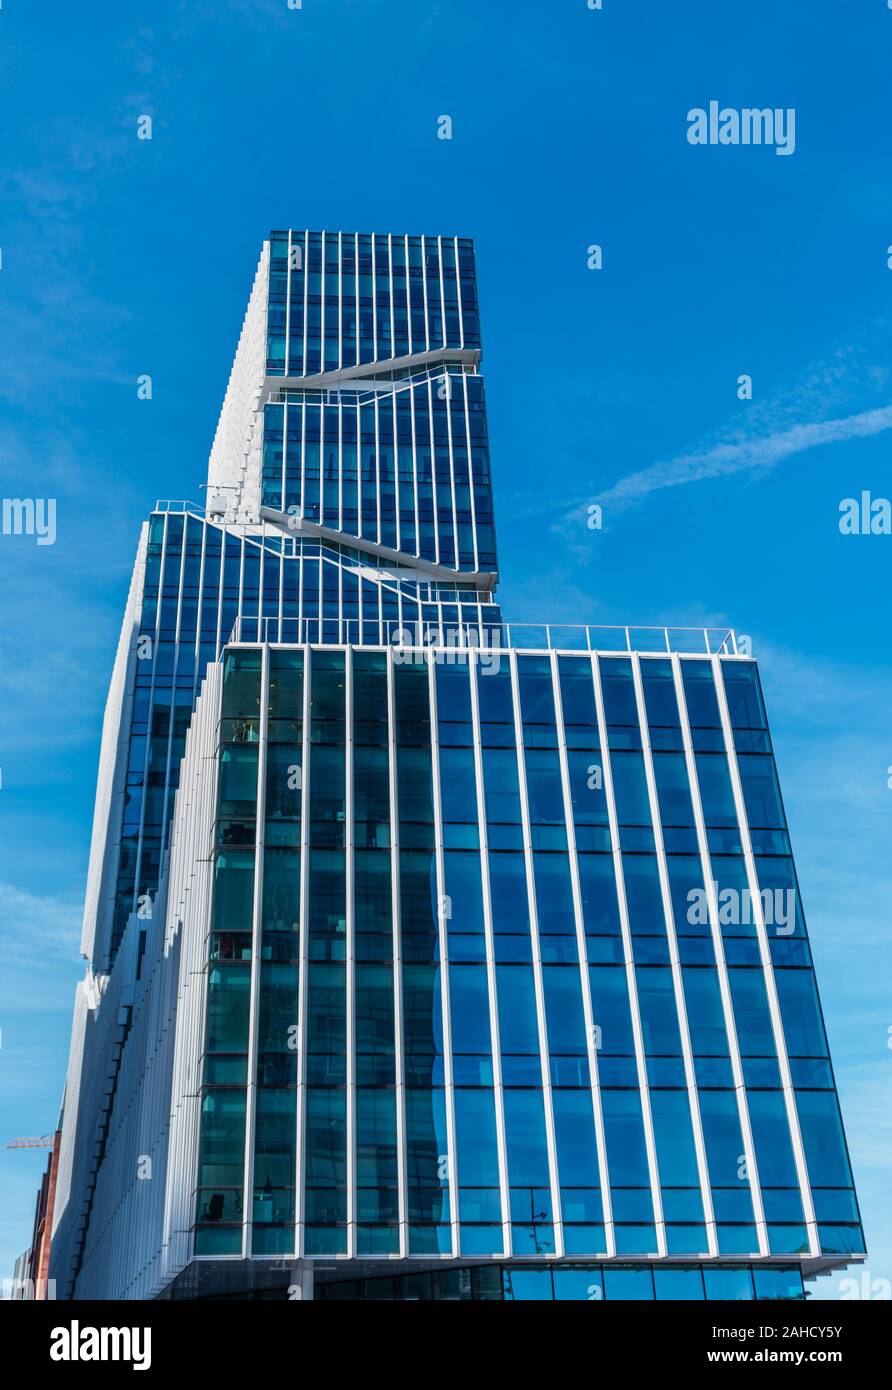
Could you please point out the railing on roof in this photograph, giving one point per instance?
(464, 636)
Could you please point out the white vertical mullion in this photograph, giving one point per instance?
(393, 351)
(767, 965)
(397, 486)
(288, 309)
(415, 468)
(749, 1152)
(588, 1012)
(321, 336)
(435, 495)
(442, 290)
(376, 417)
(631, 982)
(356, 294)
(340, 409)
(427, 328)
(399, 1035)
(464, 387)
(409, 346)
(448, 1072)
(166, 823)
(256, 934)
(304, 963)
(349, 967)
(498, 1090)
(545, 1060)
(359, 466)
(303, 457)
(675, 964)
(303, 365)
(340, 302)
(218, 642)
(447, 381)
(461, 312)
(285, 462)
(199, 631)
(374, 296)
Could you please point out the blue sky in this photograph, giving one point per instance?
(122, 257)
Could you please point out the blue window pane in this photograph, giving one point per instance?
(475, 1125)
(532, 1240)
(587, 792)
(600, 905)
(699, 693)
(728, 1283)
(778, 1283)
(771, 1136)
(628, 1284)
(453, 694)
(643, 896)
(620, 706)
(584, 1240)
(422, 1009)
(761, 792)
(458, 786)
(678, 1284)
(673, 789)
(842, 1240)
(518, 1025)
(659, 1017)
(787, 1240)
(430, 1240)
(525, 1136)
(836, 1205)
(724, 1141)
(563, 1009)
(536, 692)
(575, 1134)
(464, 892)
(706, 1017)
(659, 692)
(822, 1136)
(469, 997)
(630, 788)
(744, 694)
(676, 1155)
(610, 1006)
(544, 788)
(527, 1284)
(688, 895)
(377, 1240)
(686, 1240)
(778, 876)
(716, 792)
(579, 1285)
(482, 1240)
(737, 1240)
(501, 784)
(751, 1013)
(554, 894)
(801, 1013)
(508, 893)
(624, 1127)
(577, 691)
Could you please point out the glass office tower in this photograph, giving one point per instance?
(430, 955)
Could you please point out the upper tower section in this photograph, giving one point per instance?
(355, 407)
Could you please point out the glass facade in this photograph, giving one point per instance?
(500, 972)
(577, 1283)
(391, 444)
(532, 965)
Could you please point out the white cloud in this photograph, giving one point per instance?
(759, 452)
